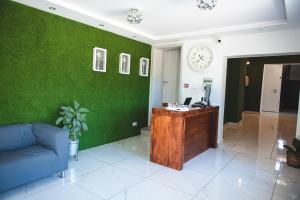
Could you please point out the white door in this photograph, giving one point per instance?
(271, 88)
(171, 75)
(164, 80)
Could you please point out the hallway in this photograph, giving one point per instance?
(259, 141)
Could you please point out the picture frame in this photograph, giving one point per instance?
(124, 63)
(144, 67)
(99, 59)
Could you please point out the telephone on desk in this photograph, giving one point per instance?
(201, 104)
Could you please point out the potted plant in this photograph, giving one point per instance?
(293, 154)
(73, 119)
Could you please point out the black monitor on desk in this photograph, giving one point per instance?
(187, 101)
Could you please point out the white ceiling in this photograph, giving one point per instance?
(171, 20)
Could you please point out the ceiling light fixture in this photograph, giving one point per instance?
(101, 24)
(248, 63)
(134, 16)
(206, 4)
(52, 8)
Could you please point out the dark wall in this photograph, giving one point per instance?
(255, 72)
(46, 61)
(235, 90)
(290, 88)
(239, 98)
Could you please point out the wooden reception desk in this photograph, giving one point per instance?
(177, 137)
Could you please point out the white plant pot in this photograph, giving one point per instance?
(74, 144)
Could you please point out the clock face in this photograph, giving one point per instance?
(200, 57)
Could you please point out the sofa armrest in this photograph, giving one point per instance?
(56, 139)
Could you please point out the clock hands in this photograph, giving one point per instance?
(200, 58)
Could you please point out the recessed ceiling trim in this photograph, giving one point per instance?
(101, 18)
(224, 30)
(171, 36)
(67, 9)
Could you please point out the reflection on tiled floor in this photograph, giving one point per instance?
(249, 165)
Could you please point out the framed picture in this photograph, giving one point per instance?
(124, 63)
(144, 66)
(99, 59)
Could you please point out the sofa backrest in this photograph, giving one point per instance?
(16, 136)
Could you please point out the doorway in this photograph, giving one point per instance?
(165, 76)
(280, 88)
(245, 88)
(290, 88)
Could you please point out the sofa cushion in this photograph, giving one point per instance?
(16, 136)
(25, 165)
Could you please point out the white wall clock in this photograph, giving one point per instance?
(200, 57)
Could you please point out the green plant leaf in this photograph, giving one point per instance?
(76, 105)
(59, 120)
(84, 126)
(64, 108)
(74, 119)
(71, 109)
(78, 116)
(69, 115)
(83, 110)
(62, 113)
(74, 122)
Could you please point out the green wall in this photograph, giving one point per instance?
(46, 61)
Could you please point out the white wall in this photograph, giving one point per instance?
(258, 44)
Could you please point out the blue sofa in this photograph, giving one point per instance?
(29, 152)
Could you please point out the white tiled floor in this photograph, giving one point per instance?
(249, 165)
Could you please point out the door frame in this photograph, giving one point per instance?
(262, 89)
(153, 70)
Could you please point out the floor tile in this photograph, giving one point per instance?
(33, 188)
(187, 180)
(218, 189)
(248, 177)
(66, 192)
(94, 149)
(289, 172)
(288, 183)
(248, 148)
(107, 181)
(138, 146)
(278, 197)
(150, 190)
(210, 161)
(256, 162)
(109, 155)
(139, 166)
(84, 165)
